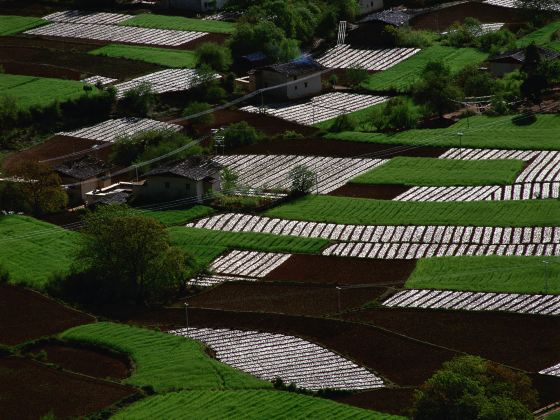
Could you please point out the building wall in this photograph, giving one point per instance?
(162, 188)
(197, 5)
(369, 6)
(499, 69)
(308, 86)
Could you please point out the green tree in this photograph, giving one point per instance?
(216, 57)
(139, 101)
(229, 180)
(472, 388)
(342, 123)
(396, 115)
(302, 180)
(240, 134)
(355, 75)
(436, 88)
(195, 108)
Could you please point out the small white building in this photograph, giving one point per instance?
(197, 5)
(369, 6)
(297, 79)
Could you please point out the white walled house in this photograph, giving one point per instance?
(197, 5)
(369, 6)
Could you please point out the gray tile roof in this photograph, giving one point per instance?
(192, 168)
(83, 168)
(390, 17)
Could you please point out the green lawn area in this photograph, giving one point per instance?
(488, 274)
(542, 36)
(479, 132)
(32, 250)
(244, 405)
(205, 245)
(177, 217)
(164, 361)
(364, 211)
(39, 91)
(400, 77)
(362, 118)
(148, 20)
(442, 172)
(163, 56)
(11, 24)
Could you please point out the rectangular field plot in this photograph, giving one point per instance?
(554, 370)
(294, 360)
(163, 56)
(110, 130)
(488, 274)
(78, 16)
(514, 4)
(10, 25)
(319, 108)
(272, 171)
(172, 80)
(344, 57)
(442, 172)
(179, 23)
(468, 301)
(114, 33)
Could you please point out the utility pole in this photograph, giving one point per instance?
(187, 315)
(338, 289)
(546, 276)
(460, 135)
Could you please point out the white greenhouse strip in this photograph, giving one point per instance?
(292, 359)
(545, 167)
(102, 80)
(486, 154)
(272, 171)
(170, 80)
(554, 370)
(344, 57)
(481, 301)
(110, 130)
(78, 16)
(248, 263)
(114, 33)
(319, 108)
(214, 280)
(514, 4)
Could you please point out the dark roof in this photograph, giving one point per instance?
(390, 17)
(83, 168)
(255, 57)
(296, 68)
(193, 168)
(117, 198)
(519, 55)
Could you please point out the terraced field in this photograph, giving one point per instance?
(162, 56)
(10, 24)
(179, 23)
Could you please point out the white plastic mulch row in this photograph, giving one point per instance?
(484, 154)
(481, 235)
(292, 359)
(78, 16)
(272, 171)
(94, 80)
(344, 57)
(170, 80)
(319, 108)
(110, 130)
(473, 301)
(514, 4)
(554, 370)
(429, 250)
(114, 33)
(215, 279)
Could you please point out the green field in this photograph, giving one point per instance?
(179, 23)
(38, 91)
(479, 132)
(162, 56)
(205, 245)
(10, 24)
(442, 172)
(400, 77)
(244, 405)
(542, 37)
(164, 361)
(32, 250)
(176, 217)
(364, 211)
(362, 118)
(488, 274)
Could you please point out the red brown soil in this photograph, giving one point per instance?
(31, 390)
(93, 362)
(27, 41)
(63, 61)
(28, 315)
(378, 192)
(527, 342)
(385, 400)
(342, 270)
(294, 299)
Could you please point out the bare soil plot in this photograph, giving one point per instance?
(342, 270)
(386, 400)
(88, 360)
(311, 300)
(31, 390)
(28, 315)
(378, 192)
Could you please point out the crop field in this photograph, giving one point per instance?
(292, 359)
(162, 56)
(514, 4)
(176, 217)
(542, 135)
(166, 362)
(469, 301)
(179, 23)
(10, 24)
(532, 275)
(542, 36)
(78, 16)
(360, 211)
(32, 251)
(31, 91)
(245, 405)
(442, 172)
(400, 77)
(344, 57)
(206, 244)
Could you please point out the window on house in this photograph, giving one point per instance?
(188, 187)
(295, 87)
(167, 185)
(305, 84)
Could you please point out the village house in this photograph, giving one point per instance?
(201, 6)
(501, 64)
(303, 76)
(370, 30)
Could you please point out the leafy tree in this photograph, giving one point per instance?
(139, 101)
(472, 388)
(130, 257)
(229, 180)
(355, 75)
(240, 134)
(475, 82)
(396, 115)
(539, 75)
(343, 122)
(496, 41)
(436, 88)
(216, 57)
(41, 187)
(302, 180)
(197, 107)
